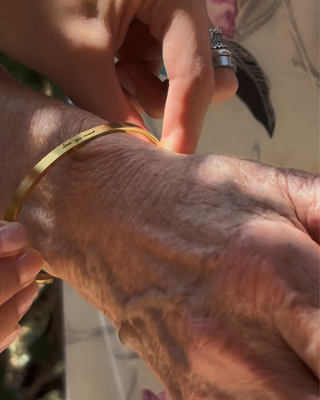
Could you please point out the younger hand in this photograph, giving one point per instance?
(19, 266)
(75, 44)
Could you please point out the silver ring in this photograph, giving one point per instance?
(221, 56)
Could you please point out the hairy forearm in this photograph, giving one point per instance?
(190, 257)
(31, 126)
(70, 206)
(83, 214)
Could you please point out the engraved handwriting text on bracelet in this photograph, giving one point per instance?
(51, 159)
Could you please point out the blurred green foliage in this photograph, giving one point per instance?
(31, 78)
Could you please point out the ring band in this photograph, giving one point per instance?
(221, 55)
(224, 61)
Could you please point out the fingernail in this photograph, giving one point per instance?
(9, 340)
(127, 82)
(24, 303)
(28, 265)
(12, 237)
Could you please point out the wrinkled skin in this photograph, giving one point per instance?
(207, 265)
(74, 42)
(203, 266)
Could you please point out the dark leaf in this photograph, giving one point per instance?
(31, 78)
(253, 87)
(23, 74)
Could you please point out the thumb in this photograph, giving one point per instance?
(303, 189)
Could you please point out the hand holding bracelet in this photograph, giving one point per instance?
(51, 159)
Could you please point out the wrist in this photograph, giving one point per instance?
(85, 207)
(32, 125)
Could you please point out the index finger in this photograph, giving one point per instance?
(187, 57)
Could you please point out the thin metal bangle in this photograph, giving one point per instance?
(50, 160)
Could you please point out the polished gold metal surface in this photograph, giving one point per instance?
(51, 159)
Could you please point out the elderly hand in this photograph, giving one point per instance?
(207, 265)
(75, 43)
(19, 266)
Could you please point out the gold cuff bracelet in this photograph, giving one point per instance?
(51, 159)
